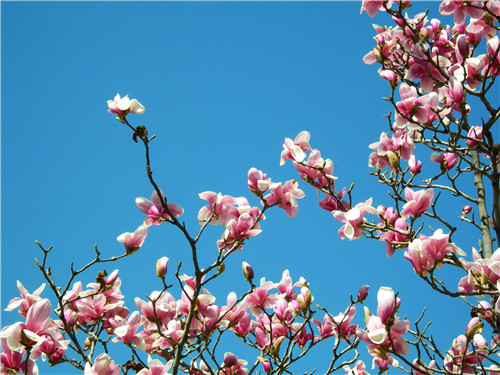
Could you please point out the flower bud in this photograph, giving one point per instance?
(265, 363)
(275, 347)
(247, 272)
(112, 278)
(466, 210)
(475, 326)
(393, 159)
(221, 268)
(230, 360)
(476, 134)
(161, 267)
(88, 343)
(415, 166)
(367, 313)
(363, 293)
(435, 25)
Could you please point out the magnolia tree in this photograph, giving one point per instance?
(439, 75)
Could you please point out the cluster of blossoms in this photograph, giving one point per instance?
(240, 220)
(435, 75)
(394, 229)
(37, 336)
(483, 274)
(266, 316)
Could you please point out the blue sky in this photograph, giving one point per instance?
(223, 84)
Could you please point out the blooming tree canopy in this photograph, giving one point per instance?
(440, 79)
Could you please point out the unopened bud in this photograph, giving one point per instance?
(161, 267)
(308, 297)
(247, 272)
(378, 55)
(363, 293)
(221, 268)
(466, 210)
(393, 159)
(230, 360)
(367, 313)
(88, 343)
(265, 363)
(112, 278)
(275, 347)
(475, 326)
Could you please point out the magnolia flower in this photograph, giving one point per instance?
(122, 106)
(133, 241)
(103, 365)
(157, 214)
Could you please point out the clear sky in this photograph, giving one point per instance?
(223, 84)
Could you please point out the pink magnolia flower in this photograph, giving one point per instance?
(447, 160)
(415, 166)
(161, 266)
(233, 312)
(459, 9)
(219, 209)
(164, 308)
(233, 366)
(103, 365)
(417, 202)
(386, 304)
(475, 134)
(122, 106)
(295, 150)
(126, 330)
(133, 241)
(37, 327)
(286, 197)
(26, 301)
(155, 211)
(425, 70)
(93, 308)
(426, 253)
(384, 332)
(419, 110)
(155, 367)
(359, 369)
(397, 236)
(237, 230)
(493, 57)
(286, 286)
(354, 219)
(333, 203)
(205, 306)
(260, 299)
(459, 359)
(390, 76)
(388, 151)
(373, 6)
(473, 68)
(11, 362)
(300, 334)
(481, 271)
(481, 27)
(339, 325)
(424, 369)
(258, 182)
(363, 292)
